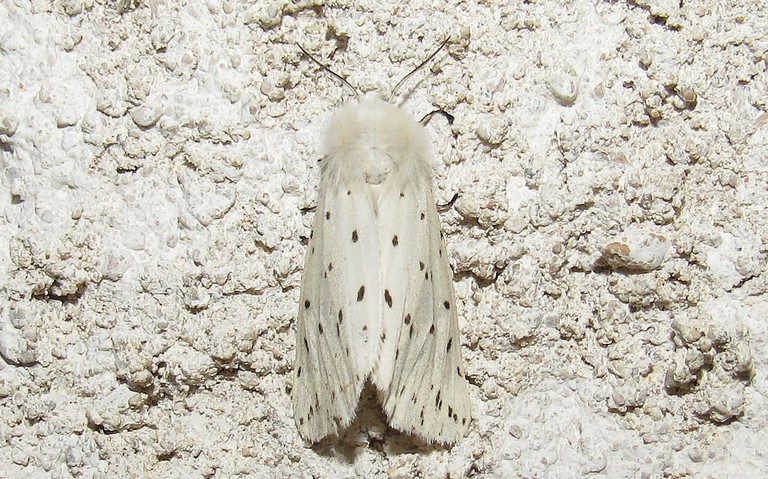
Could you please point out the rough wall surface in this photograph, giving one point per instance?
(609, 241)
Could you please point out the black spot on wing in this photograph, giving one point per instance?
(388, 298)
(361, 293)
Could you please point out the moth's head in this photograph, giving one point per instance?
(375, 130)
(373, 136)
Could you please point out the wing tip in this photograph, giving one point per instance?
(444, 431)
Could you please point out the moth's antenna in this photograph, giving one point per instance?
(339, 77)
(429, 58)
(429, 116)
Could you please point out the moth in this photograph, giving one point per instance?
(377, 301)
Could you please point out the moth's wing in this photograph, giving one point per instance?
(334, 352)
(420, 374)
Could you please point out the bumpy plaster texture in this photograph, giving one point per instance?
(158, 165)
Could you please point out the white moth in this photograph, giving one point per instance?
(377, 300)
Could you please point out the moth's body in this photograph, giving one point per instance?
(377, 294)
